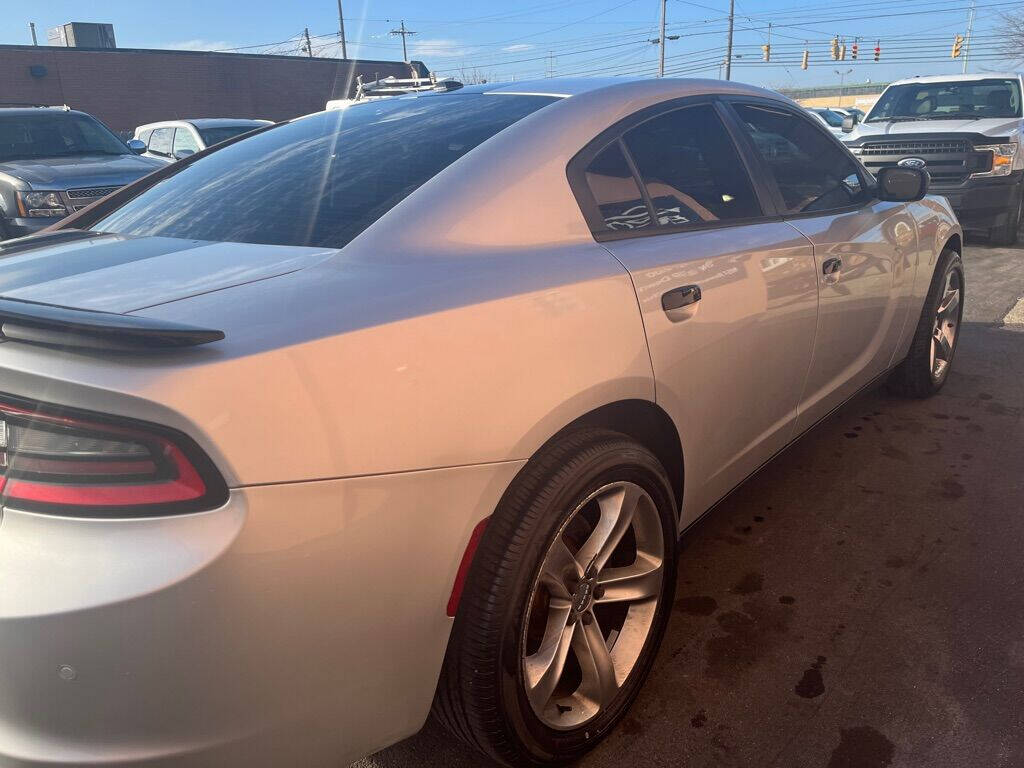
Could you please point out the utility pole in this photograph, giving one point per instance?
(341, 31)
(551, 64)
(309, 45)
(842, 82)
(728, 45)
(32, 29)
(404, 33)
(661, 41)
(967, 40)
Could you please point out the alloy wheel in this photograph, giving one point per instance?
(592, 605)
(946, 326)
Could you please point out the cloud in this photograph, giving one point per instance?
(198, 44)
(518, 47)
(438, 49)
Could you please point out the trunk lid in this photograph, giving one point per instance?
(121, 274)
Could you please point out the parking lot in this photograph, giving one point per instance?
(858, 603)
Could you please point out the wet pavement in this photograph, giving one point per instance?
(859, 603)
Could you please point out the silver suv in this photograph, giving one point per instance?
(177, 139)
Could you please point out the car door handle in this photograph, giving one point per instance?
(831, 269)
(681, 303)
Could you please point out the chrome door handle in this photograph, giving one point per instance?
(680, 303)
(831, 268)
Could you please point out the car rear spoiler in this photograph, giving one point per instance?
(57, 326)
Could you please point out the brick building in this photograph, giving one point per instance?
(126, 87)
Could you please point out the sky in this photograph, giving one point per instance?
(501, 41)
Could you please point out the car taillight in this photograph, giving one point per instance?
(71, 463)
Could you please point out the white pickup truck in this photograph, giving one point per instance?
(966, 131)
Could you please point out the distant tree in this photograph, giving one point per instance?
(1013, 36)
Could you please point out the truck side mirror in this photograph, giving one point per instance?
(848, 122)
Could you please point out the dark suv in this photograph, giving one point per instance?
(55, 161)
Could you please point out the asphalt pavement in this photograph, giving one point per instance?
(859, 603)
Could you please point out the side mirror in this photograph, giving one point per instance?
(902, 185)
(848, 122)
(137, 147)
(181, 154)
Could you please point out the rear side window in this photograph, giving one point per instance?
(320, 180)
(160, 141)
(618, 197)
(813, 173)
(690, 168)
(183, 139)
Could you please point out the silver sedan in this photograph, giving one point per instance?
(406, 406)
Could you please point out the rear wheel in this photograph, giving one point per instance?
(566, 603)
(926, 367)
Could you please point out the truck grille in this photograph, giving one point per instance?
(79, 198)
(948, 147)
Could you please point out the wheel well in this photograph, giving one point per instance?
(955, 243)
(650, 426)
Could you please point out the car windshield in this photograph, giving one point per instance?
(213, 136)
(48, 133)
(995, 97)
(320, 180)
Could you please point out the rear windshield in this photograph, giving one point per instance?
(995, 97)
(49, 133)
(320, 180)
(213, 136)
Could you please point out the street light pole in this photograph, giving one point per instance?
(661, 42)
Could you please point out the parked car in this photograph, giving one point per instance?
(55, 161)
(433, 413)
(832, 120)
(966, 131)
(388, 87)
(177, 139)
(844, 111)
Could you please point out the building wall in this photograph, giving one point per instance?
(859, 100)
(128, 87)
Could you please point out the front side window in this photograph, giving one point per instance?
(991, 97)
(690, 168)
(183, 139)
(160, 141)
(319, 180)
(48, 133)
(812, 173)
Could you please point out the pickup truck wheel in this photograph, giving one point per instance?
(1006, 233)
(926, 367)
(566, 602)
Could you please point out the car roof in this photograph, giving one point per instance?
(959, 78)
(205, 122)
(37, 110)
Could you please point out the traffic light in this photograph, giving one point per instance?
(842, 52)
(853, 51)
(958, 44)
(803, 63)
(766, 51)
(835, 48)
(878, 50)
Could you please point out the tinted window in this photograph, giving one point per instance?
(183, 139)
(320, 180)
(813, 174)
(619, 201)
(213, 136)
(993, 97)
(832, 118)
(160, 141)
(691, 169)
(49, 133)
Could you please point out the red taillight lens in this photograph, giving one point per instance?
(63, 462)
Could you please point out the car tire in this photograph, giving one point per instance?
(1008, 232)
(494, 688)
(926, 367)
